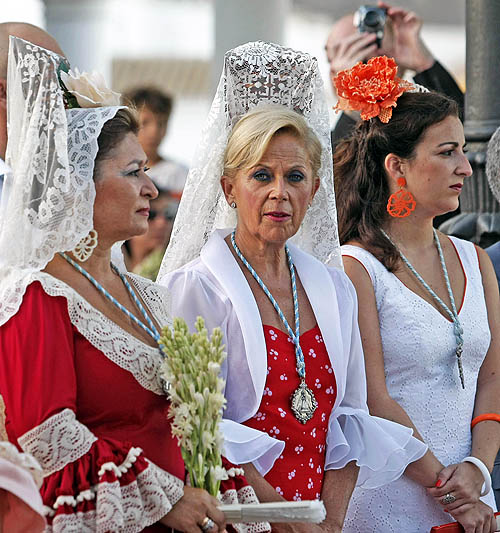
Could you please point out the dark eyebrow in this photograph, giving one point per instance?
(138, 162)
(449, 142)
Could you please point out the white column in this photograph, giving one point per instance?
(241, 21)
(82, 30)
(26, 11)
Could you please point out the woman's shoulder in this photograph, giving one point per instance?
(461, 245)
(363, 260)
(193, 277)
(468, 253)
(40, 294)
(358, 252)
(311, 267)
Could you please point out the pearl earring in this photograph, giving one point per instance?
(233, 205)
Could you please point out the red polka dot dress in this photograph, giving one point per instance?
(298, 473)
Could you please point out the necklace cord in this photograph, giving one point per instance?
(452, 313)
(299, 356)
(150, 328)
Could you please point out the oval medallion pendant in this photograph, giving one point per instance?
(303, 402)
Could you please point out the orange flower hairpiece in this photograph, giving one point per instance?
(371, 88)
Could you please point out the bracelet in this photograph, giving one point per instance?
(483, 417)
(486, 473)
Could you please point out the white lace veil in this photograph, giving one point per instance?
(256, 73)
(493, 164)
(50, 193)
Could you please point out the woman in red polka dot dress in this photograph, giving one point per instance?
(296, 415)
(298, 472)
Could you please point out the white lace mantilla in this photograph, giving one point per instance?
(57, 441)
(129, 508)
(256, 74)
(119, 346)
(48, 199)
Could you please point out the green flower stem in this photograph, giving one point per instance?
(196, 398)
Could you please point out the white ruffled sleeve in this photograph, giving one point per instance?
(382, 449)
(194, 294)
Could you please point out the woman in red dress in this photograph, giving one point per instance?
(80, 365)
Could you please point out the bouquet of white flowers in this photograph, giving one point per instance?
(192, 369)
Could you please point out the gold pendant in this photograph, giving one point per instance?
(303, 402)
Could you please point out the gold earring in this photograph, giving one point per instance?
(83, 250)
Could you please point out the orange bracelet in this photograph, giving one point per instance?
(483, 417)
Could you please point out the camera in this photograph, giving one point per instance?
(371, 19)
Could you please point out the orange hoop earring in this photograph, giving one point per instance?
(401, 203)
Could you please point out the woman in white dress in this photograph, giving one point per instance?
(429, 308)
(271, 165)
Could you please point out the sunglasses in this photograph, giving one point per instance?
(168, 213)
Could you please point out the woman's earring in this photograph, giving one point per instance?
(83, 250)
(401, 203)
(233, 205)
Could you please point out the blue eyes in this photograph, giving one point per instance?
(296, 176)
(263, 175)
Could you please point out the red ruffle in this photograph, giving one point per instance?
(83, 475)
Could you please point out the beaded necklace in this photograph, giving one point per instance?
(303, 401)
(452, 313)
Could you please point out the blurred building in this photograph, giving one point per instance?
(178, 45)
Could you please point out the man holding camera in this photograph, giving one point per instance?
(391, 31)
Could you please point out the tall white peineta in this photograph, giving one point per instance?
(256, 73)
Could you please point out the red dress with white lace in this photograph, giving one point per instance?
(97, 426)
(298, 473)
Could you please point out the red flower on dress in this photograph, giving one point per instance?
(371, 88)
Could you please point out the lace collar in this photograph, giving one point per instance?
(119, 346)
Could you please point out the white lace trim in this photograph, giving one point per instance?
(57, 441)
(120, 347)
(244, 495)
(128, 509)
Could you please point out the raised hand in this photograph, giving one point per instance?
(406, 45)
(345, 52)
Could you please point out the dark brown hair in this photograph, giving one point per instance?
(157, 101)
(361, 185)
(114, 131)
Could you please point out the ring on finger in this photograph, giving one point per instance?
(448, 498)
(207, 524)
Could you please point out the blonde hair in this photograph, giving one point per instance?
(252, 134)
